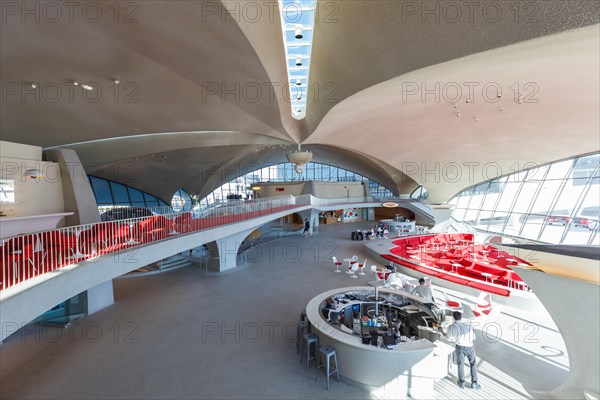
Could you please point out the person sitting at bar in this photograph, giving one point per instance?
(425, 292)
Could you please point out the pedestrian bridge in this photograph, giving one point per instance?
(43, 269)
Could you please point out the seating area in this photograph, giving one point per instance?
(455, 258)
(26, 256)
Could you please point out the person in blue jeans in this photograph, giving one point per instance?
(306, 232)
(462, 334)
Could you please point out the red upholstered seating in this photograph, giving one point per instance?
(452, 278)
(183, 222)
(150, 229)
(489, 288)
(452, 303)
(501, 262)
(465, 262)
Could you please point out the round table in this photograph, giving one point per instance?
(350, 261)
(455, 265)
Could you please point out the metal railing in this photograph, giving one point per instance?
(26, 256)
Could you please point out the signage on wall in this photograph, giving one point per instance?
(390, 204)
(279, 189)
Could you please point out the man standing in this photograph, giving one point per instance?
(462, 334)
(425, 292)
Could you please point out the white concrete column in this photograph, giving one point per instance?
(228, 249)
(574, 308)
(313, 217)
(99, 297)
(77, 191)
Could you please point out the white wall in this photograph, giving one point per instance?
(323, 190)
(336, 190)
(289, 188)
(32, 196)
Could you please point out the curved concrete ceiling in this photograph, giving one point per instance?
(214, 77)
(557, 116)
(201, 161)
(362, 43)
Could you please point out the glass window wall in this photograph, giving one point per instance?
(557, 203)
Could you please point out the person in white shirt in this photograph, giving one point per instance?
(462, 334)
(425, 292)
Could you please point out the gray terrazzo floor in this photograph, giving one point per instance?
(185, 334)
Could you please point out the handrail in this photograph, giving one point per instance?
(26, 256)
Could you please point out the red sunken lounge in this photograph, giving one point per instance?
(455, 258)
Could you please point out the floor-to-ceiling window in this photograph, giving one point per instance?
(556, 203)
(111, 194)
(284, 172)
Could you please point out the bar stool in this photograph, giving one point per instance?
(303, 315)
(328, 352)
(309, 340)
(303, 329)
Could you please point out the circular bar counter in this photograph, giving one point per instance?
(394, 369)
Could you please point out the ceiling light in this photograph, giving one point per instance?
(33, 85)
(476, 117)
(255, 187)
(390, 204)
(297, 52)
(76, 83)
(299, 158)
(87, 87)
(116, 81)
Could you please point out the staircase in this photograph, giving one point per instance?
(168, 264)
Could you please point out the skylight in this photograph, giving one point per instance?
(297, 23)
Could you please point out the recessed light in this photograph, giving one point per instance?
(116, 81)
(76, 83)
(298, 61)
(298, 32)
(87, 87)
(298, 82)
(33, 85)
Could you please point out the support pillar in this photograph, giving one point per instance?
(99, 297)
(313, 217)
(77, 191)
(228, 249)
